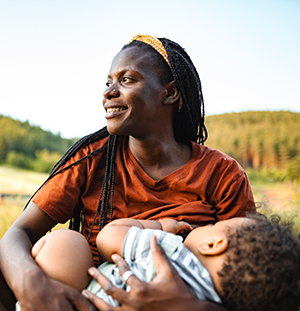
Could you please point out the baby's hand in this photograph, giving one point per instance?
(173, 226)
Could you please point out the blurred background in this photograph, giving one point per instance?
(55, 54)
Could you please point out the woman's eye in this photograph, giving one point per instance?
(126, 79)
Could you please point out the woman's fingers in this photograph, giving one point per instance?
(97, 302)
(163, 266)
(166, 292)
(109, 289)
(125, 271)
(78, 302)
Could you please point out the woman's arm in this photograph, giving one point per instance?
(111, 238)
(166, 292)
(29, 284)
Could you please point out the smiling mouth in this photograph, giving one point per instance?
(115, 109)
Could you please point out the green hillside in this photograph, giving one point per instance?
(30, 147)
(259, 140)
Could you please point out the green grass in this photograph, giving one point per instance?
(21, 183)
(278, 198)
(10, 209)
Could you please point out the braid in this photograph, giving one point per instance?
(107, 184)
(106, 191)
(109, 172)
(81, 143)
(107, 188)
(189, 121)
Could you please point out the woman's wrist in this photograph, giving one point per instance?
(29, 281)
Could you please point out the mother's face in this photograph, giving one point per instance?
(135, 95)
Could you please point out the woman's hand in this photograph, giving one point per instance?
(53, 295)
(166, 292)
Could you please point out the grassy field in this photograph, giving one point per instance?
(21, 182)
(281, 198)
(16, 186)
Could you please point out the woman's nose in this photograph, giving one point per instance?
(111, 92)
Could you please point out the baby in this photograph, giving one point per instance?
(242, 263)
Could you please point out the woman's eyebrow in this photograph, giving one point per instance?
(124, 71)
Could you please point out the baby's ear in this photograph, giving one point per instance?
(214, 245)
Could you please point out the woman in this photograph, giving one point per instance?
(147, 164)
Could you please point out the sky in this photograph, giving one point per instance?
(55, 54)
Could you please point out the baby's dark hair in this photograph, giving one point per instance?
(262, 267)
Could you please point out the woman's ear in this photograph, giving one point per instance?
(172, 93)
(214, 245)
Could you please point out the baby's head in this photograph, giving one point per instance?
(254, 263)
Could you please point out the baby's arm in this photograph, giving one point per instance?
(111, 238)
(173, 226)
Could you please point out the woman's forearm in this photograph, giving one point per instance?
(30, 285)
(17, 264)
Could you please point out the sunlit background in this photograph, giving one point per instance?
(55, 54)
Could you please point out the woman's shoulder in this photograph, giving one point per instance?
(83, 147)
(213, 157)
(205, 151)
(94, 142)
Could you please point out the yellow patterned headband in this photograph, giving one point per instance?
(155, 43)
(158, 46)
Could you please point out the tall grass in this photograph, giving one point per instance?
(10, 209)
(278, 198)
(19, 183)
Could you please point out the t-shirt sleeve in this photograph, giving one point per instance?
(60, 196)
(232, 196)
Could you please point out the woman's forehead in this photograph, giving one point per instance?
(133, 54)
(132, 58)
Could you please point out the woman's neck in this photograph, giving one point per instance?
(159, 158)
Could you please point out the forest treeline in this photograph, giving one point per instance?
(261, 141)
(30, 147)
(264, 141)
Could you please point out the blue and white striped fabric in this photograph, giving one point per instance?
(137, 253)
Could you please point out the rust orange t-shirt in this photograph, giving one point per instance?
(211, 186)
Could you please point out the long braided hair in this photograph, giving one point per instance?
(188, 124)
(107, 185)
